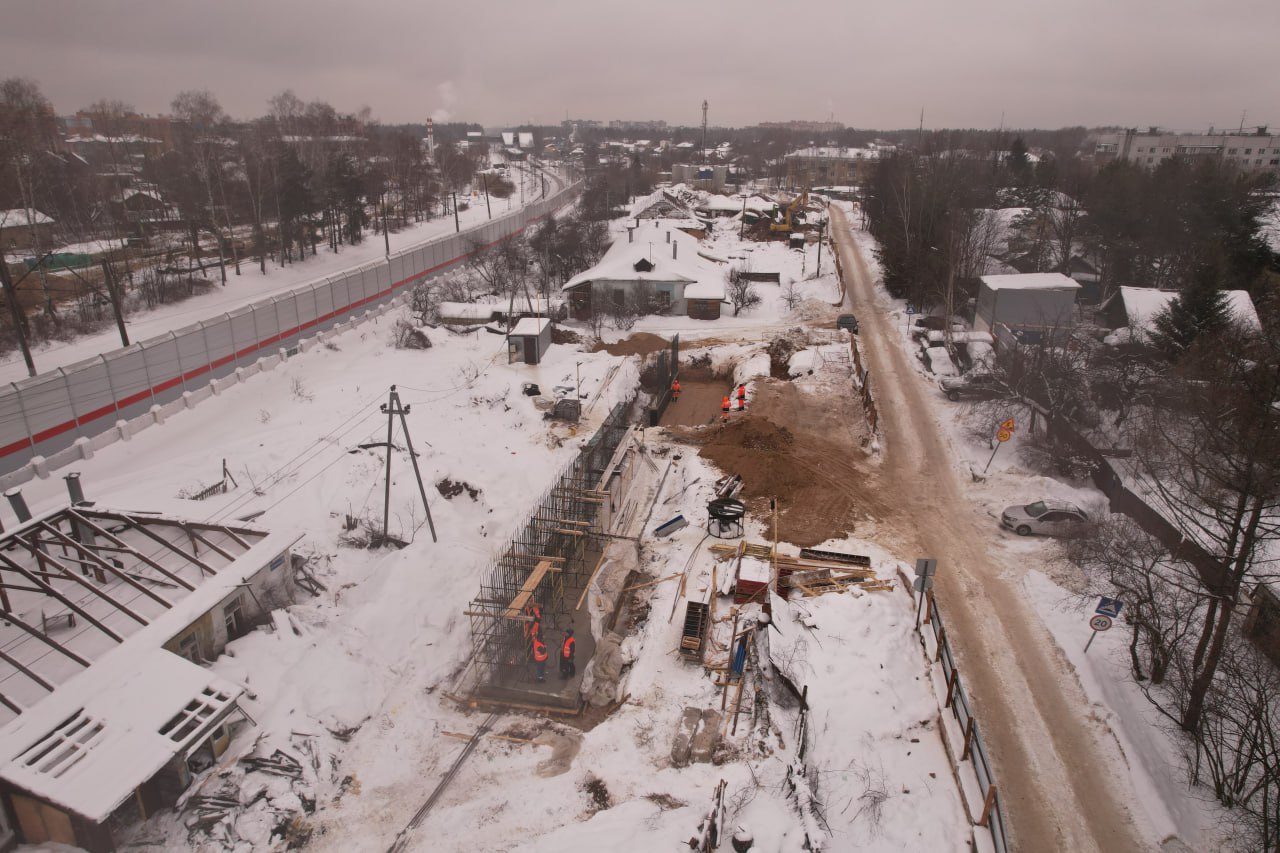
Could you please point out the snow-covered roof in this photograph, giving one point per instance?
(529, 327)
(526, 139)
(1142, 304)
(89, 749)
(834, 153)
(466, 311)
(17, 217)
(619, 264)
(1030, 281)
(709, 288)
(720, 202)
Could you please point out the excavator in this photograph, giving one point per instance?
(797, 203)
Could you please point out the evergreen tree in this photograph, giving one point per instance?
(1200, 309)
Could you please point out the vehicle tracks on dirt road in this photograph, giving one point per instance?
(1062, 782)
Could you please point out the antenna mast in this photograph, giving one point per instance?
(704, 130)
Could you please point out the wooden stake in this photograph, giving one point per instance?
(986, 806)
(968, 739)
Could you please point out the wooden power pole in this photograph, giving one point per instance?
(393, 409)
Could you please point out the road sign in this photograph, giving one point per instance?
(1003, 435)
(1009, 425)
(1100, 623)
(1109, 607)
(926, 568)
(911, 309)
(921, 584)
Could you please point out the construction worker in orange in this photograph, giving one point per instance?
(742, 398)
(567, 668)
(539, 659)
(675, 390)
(725, 406)
(533, 628)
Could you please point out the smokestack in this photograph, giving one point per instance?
(19, 505)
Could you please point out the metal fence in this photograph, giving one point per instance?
(48, 413)
(975, 749)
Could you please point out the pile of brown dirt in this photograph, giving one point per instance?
(801, 447)
(641, 343)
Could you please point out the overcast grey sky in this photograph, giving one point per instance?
(1178, 63)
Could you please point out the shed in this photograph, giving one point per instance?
(529, 340)
(1031, 305)
(703, 299)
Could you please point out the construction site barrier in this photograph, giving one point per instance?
(49, 413)
(974, 752)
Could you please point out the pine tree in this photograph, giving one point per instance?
(1200, 309)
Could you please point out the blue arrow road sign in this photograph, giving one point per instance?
(1109, 607)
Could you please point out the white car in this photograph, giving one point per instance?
(1047, 518)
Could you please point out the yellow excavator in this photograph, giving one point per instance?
(797, 203)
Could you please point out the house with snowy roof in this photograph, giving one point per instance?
(1135, 308)
(23, 229)
(106, 617)
(646, 274)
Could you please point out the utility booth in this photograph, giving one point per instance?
(529, 340)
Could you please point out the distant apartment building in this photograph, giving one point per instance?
(625, 124)
(803, 126)
(1256, 151)
(829, 166)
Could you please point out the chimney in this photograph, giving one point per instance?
(668, 236)
(631, 235)
(675, 250)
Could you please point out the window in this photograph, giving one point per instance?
(189, 648)
(1248, 151)
(233, 618)
(1275, 162)
(1232, 150)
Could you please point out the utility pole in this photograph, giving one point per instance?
(386, 236)
(485, 177)
(457, 226)
(15, 311)
(822, 230)
(109, 277)
(392, 408)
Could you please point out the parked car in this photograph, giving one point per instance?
(847, 321)
(981, 386)
(939, 362)
(1046, 518)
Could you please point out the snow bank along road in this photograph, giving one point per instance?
(1060, 775)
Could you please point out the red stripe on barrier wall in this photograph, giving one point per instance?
(52, 431)
(22, 444)
(93, 416)
(133, 398)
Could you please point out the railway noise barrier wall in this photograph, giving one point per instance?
(49, 413)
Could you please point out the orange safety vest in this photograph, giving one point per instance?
(742, 392)
(675, 386)
(567, 650)
(539, 650)
(726, 405)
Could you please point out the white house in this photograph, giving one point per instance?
(1031, 305)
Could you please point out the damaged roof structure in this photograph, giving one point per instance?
(105, 617)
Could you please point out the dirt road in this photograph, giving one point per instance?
(1060, 773)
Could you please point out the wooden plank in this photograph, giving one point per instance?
(517, 605)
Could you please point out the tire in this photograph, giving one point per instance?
(1023, 530)
(953, 396)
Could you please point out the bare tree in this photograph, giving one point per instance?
(741, 291)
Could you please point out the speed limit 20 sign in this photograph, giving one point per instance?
(1100, 623)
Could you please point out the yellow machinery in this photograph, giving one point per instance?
(797, 203)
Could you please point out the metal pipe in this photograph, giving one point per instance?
(19, 505)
